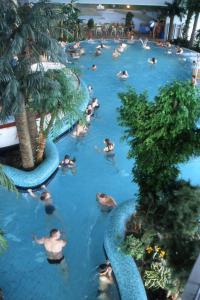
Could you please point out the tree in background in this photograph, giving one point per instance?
(171, 10)
(190, 7)
(196, 18)
(165, 228)
(90, 25)
(72, 23)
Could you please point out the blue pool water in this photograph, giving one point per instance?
(24, 271)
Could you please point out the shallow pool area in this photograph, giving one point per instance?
(24, 271)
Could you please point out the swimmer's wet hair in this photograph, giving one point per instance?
(53, 232)
(67, 156)
(102, 268)
(43, 196)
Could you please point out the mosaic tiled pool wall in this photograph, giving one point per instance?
(127, 275)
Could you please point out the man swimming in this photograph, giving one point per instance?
(53, 246)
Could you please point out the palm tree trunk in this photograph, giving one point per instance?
(24, 138)
(194, 29)
(32, 131)
(41, 147)
(187, 24)
(171, 28)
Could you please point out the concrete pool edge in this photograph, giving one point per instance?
(126, 273)
(32, 179)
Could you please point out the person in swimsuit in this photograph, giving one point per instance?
(95, 103)
(68, 162)
(46, 198)
(105, 281)
(106, 200)
(53, 246)
(109, 146)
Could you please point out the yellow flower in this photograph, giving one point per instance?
(149, 249)
(157, 249)
(162, 253)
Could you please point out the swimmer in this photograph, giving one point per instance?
(68, 162)
(179, 50)
(123, 45)
(106, 200)
(101, 46)
(168, 44)
(80, 130)
(123, 74)
(76, 45)
(105, 281)
(94, 68)
(95, 103)
(194, 80)
(131, 40)
(152, 60)
(89, 114)
(46, 198)
(120, 49)
(144, 44)
(115, 54)
(98, 52)
(53, 246)
(90, 89)
(109, 145)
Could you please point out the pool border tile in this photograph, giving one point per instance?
(126, 272)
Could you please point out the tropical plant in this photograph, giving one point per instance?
(159, 276)
(190, 6)
(6, 182)
(58, 99)
(134, 247)
(24, 37)
(157, 132)
(70, 28)
(3, 242)
(196, 18)
(171, 10)
(90, 23)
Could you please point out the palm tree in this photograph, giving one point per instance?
(171, 10)
(58, 100)
(24, 34)
(190, 7)
(194, 29)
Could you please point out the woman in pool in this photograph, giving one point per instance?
(106, 200)
(68, 162)
(95, 103)
(109, 145)
(46, 198)
(80, 130)
(152, 61)
(123, 74)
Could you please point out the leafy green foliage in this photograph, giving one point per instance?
(161, 135)
(159, 276)
(6, 182)
(129, 18)
(90, 23)
(3, 242)
(134, 247)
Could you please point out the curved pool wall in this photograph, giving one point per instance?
(32, 179)
(126, 273)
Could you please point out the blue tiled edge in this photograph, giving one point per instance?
(31, 179)
(127, 275)
(38, 175)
